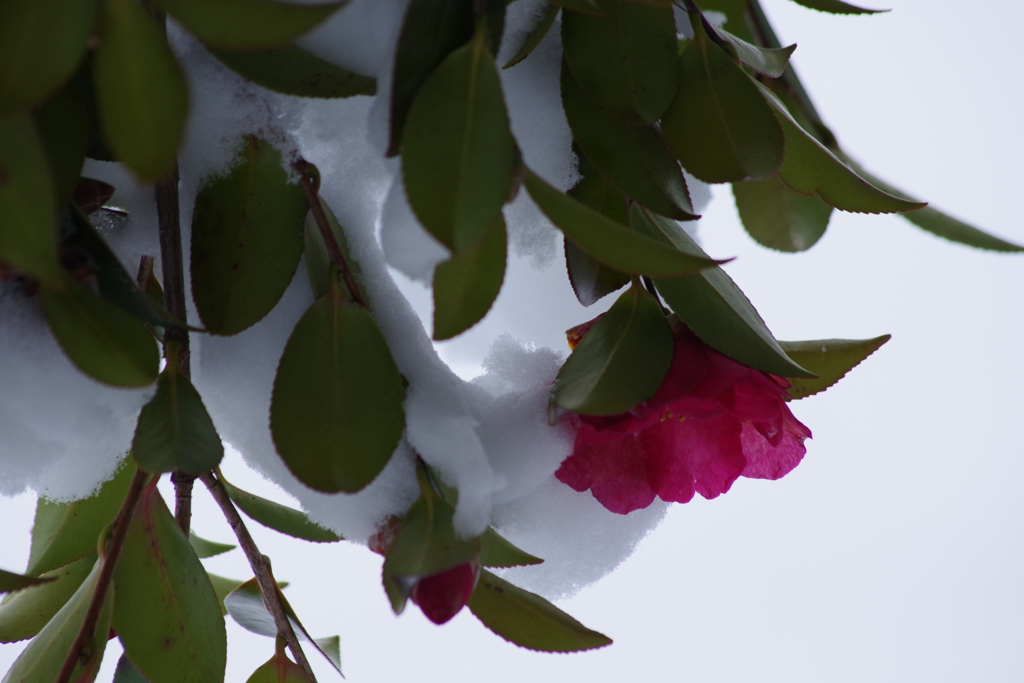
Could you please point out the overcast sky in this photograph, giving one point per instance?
(894, 552)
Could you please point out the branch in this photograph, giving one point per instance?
(261, 568)
(309, 179)
(119, 532)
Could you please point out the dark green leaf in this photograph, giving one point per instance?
(140, 89)
(336, 411)
(719, 125)
(536, 34)
(248, 24)
(293, 71)
(779, 218)
(425, 544)
(837, 7)
(939, 223)
(466, 285)
(716, 309)
(64, 133)
(10, 582)
(625, 60)
(431, 30)
(174, 431)
(606, 240)
(318, 261)
(633, 158)
(65, 532)
(28, 240)
(458, 155)
(41, 42)
(42, 659)
(830, 359)
(246, 240)
(592, 7)
(205, 548)
(771, 62)
(222, 586)
(279, 669)
(620, 362)
(495, 551)
(25, 613)
(591, 280)
(166, 612)
(734, 11)
(126, 672)
(246, 606)
(529, 620)
(811, 169)
(114, 282)
(278, 517)
(102, 340)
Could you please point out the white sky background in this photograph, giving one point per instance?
(895, 551)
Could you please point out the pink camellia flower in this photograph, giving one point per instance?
(711, 421)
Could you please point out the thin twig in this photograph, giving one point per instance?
(119, 532)
(261, 568)
(310, 187)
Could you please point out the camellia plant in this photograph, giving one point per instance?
(167, 165)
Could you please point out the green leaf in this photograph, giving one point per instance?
(102, 340)
(25, 613)
(716, 309)
(633, 158)
(606, 240)
(174, 431)
(293, 71)
(140, 89)
(620, 362)
(278, 517)
(431, 30)
(64, 133)
(830, 359)
(126, 672)
(246, 606)
(837, 7)
(28, 240)
(114, 282)
(336, 410)
(529, 620)
(166, 612)
(466, 285)
(205, 548)
(592, 7)
(734, 11)
(496, 551)
(246, 240)
(771, 62)
(10, 582)
(779, 218)
(624, 60)
(591, 280)
(330, 647)
(719, 125)
(425, 544)
(42, 659)
(41, 43)
(939, 223)
(279, 669)
(811, 169)
(248, 24)
(223, 586)
(65, 532)
(535, 35)
(458, 156)
(318, 261)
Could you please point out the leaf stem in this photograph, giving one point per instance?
(261, 568)
(119, 531)
(309, 179)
